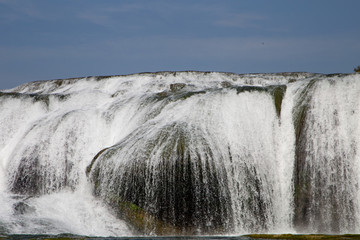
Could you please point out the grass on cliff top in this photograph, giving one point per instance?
(303, 236)
(249, 237)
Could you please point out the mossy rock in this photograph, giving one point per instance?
(303, 236)
(241, 89)
(302, 184)
(180, 202)
(142, 221)
(88, 168)
(175, 87)
(226, 84)
(173, 96)
(22, 208)
(163, 94)
(276, 91)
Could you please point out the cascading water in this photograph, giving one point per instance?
(327, 164)
(181, 153)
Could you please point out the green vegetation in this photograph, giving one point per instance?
(251, 236)
(357, 69)
(144, 222)
(303, 236)
(278, 93)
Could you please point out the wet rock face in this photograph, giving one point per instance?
(324, 176)
(177, 87)
(182, 189)
(23, 208)
(223, 153)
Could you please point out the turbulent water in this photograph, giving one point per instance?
(181, 153)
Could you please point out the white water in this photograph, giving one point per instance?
(332, 159)
(59, 134)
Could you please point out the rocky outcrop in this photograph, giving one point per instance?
(176, 191)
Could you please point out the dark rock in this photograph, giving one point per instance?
(278, 93)
(176, 86)
(163, 94)
(188, 192)
(88, 169)
(226, 84)
(23, 208)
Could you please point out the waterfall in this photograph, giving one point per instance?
(178, 153)
(326, 164)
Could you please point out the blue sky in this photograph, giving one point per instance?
(52, 39)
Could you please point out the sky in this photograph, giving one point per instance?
(55, 39)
